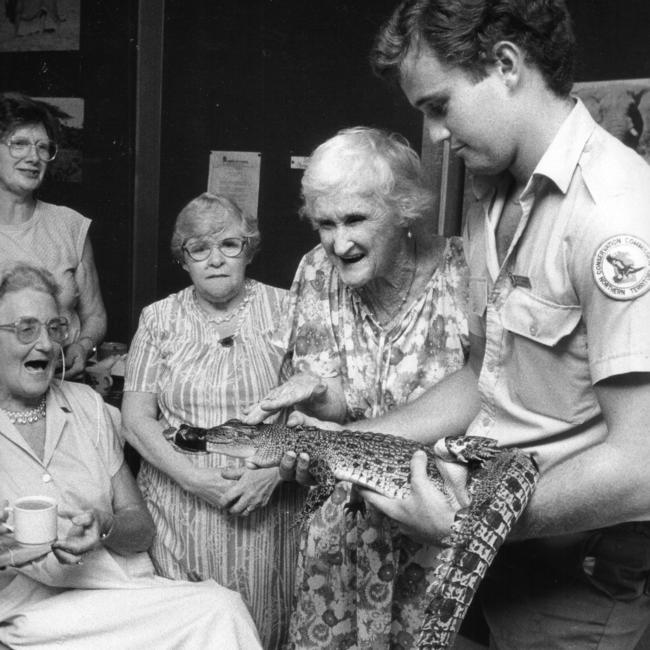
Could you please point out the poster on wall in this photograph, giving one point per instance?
(622, 107)
(39, 25)
(67, 166)
(236, 174)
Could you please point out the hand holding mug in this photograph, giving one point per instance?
(34, 520)
(84, 536)
(17, 554)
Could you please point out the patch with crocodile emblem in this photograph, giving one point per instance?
(621, 267)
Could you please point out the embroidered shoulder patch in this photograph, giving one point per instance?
(621, 267)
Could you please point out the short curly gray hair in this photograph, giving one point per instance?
(207, 213)
(372, 163)
(25, 276)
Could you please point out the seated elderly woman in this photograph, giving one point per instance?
(96, 588)
(378, 317)
(199, 357)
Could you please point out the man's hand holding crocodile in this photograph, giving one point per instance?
(295, 467)
(426, 515)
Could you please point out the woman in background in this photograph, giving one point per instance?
(200, 357)
(378, 316)
(43, 234)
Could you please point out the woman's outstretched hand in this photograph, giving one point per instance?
(303, 388)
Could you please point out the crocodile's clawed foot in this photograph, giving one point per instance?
(353, 508)
(355, 505)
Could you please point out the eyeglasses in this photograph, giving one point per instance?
(200, 249)
(20, 147)
(28, 329)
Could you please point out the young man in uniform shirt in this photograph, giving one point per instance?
(558, 245)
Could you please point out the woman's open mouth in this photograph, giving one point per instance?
(37, 365)
(352, 259)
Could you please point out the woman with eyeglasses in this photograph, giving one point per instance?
(94, 587)
(200, 357)
(43, 234)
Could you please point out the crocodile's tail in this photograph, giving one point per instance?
(503, 491)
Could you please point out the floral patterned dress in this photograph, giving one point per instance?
(360, 583)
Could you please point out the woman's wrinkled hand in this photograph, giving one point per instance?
(293, 466)
(75, 360)
(209, 484)
(250, 488)
(84, 536)
(303, 388)
(4, 513)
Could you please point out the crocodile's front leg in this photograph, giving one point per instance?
(356, 504)
(318, 494)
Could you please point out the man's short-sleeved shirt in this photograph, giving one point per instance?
(570, 306)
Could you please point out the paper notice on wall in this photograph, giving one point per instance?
(236, 174)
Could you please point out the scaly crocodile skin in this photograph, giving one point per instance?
(501, 482)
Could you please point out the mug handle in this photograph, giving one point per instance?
(10, 511)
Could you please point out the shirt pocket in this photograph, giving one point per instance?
(537, 319)
(548, 369)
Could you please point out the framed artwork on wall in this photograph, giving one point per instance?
(622, 107)
(39, 25)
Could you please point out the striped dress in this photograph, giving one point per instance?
(176, 354)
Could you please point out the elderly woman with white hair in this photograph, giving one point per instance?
(200, 357)
(379, 316)
(94, 587)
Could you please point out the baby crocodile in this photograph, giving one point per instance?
(500, 484)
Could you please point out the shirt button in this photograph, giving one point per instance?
(485, 422)
(533, 330)
(46, 478)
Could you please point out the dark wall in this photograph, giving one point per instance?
(613, 39)
(277, 77)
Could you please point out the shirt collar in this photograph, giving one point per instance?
(560, 160)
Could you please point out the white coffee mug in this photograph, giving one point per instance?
(34, 520)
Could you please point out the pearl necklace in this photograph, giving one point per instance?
(28, 416)
(218, 320)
